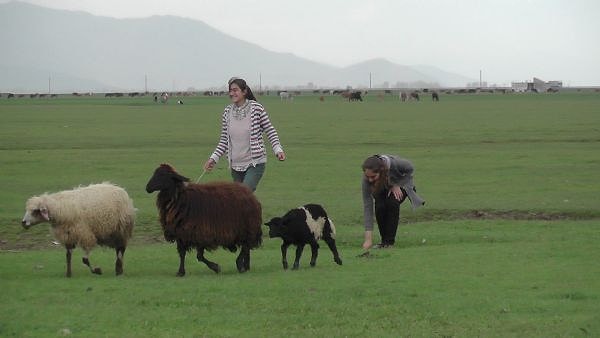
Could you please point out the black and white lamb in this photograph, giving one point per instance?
(301, 226)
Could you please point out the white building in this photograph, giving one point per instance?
(537, 85)
(519, 86)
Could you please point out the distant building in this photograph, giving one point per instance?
(477, 84)
(536, 85)
(554, 85)
(519, 86)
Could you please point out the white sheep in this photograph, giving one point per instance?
(85, 216)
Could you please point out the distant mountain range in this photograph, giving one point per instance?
(69, 51)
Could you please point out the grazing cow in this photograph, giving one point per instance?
(414, 96)
(434, 96)
(403, 96)
(301, 226)
(355, 96)
(285, 96)
(164, 97)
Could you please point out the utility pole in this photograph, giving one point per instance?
(480, 79)
(49, 88)
(259, 82)
(370, 83)
(145, 83)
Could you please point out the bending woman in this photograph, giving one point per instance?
(386, 183)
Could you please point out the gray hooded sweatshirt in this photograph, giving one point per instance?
(400, 174)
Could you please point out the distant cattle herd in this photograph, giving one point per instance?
(289, 95)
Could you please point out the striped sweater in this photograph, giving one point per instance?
(259, 124)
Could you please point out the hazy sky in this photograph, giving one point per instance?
(508, 40)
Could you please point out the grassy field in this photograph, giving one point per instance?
(506, 245)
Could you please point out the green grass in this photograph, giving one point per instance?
(505, 246)
(468, 278)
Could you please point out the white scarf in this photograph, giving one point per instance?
(242, 111)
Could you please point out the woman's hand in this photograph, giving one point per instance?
(397, 192)
(368, 240)
(280, 156)
(209, 164)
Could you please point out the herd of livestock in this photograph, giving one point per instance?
(284, 95)
(195, 216)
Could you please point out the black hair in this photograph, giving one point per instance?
(243, 86)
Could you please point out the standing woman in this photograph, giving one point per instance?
(242, 126)
(386, 183)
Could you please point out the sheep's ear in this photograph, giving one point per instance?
(44, 213)
(180, 178)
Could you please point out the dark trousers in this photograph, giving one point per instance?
(387, 214)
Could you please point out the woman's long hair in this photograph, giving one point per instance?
(377, 165)
(243, 86)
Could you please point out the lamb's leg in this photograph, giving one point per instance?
(181, 250)
(243, 260)
(314, 250)
(86, 261)
(69, 253)
(211, 265)
(119, 263)
(331, 243)
(284, 248)
(299, 249)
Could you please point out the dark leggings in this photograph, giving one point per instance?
(387, 214)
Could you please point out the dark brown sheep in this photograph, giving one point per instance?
(206, 216)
